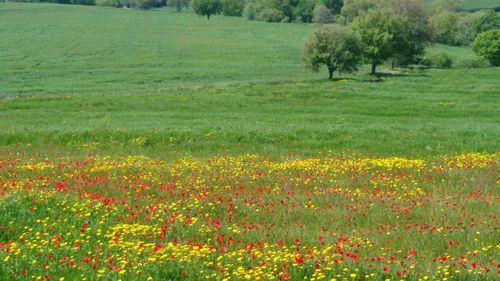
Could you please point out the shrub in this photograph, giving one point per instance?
(487, 45)
(250, 11)
(143, 4)
(271, 15)
(304, 10)
(321, 14)
(440, 60)
(445, 27)
(472, 63)
(233, 8)
(110, 3)
(335, 6)
(471, 24)
(83, 2)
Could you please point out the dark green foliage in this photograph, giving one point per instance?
(233, 8)
(111, 3)
(304, 10)
(438, 60)
(207, 7)
(143, 4)
(487, 45)
(337, 48)
(335, 6)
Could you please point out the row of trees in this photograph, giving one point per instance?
(398, 32)
(444, 22)
(459, 28)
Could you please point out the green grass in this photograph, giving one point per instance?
(429, 112)
(155, 81)
(475, 4)
(64, 49)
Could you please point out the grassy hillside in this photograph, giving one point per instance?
(475, 4)
(118, 50)
(154, 81)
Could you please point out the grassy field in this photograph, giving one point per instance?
(152, 145)
(186, 84)
(109, 50)
(475, 4)
(420, 113)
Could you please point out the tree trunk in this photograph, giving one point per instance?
(330, 73)
(393, 63)
(374, 68)
(208, 16)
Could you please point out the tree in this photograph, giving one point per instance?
(206, 7)
(338, 48)
(232, 8)
(383, 35)
(485, 21)
(304, 10)
(250, 11)
(415, 31)
(321, 14)
(355, 8)
(178, 4)
(335, 6)
(445, 27)
(487, 44)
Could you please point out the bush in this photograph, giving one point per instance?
(487, 45)
(271, 15)
(250, 11)
(471, 63)
(304, 11)
(233, 8)
(110, 3)
(143, 4)
(321, 14)
(83, 2)
(440, 60)
(445, 27)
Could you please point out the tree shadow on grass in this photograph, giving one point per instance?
(382, 76)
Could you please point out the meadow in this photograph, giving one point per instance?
(155, 145)
(475, 4)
